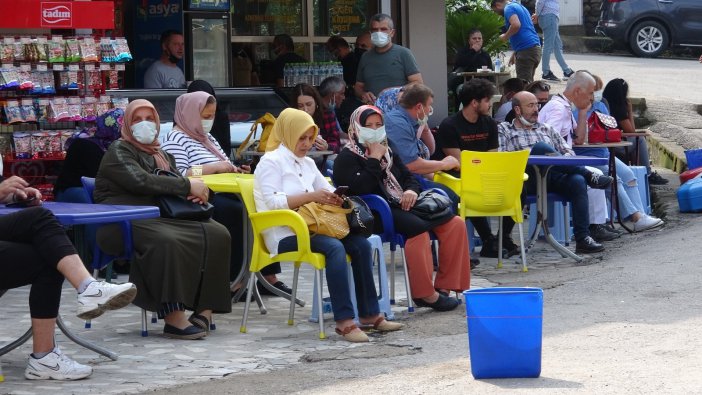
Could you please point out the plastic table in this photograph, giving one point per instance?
(542, 164)
(83, 214)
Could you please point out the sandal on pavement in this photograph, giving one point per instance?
(190, 333)
(349, 334)
(383, 325)
(200, 321)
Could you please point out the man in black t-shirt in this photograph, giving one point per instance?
(473, 129)
(284, 48)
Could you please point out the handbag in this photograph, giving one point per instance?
(325, 219)
(432, 206)
(360, 219)
(602, 128)
(178, 207)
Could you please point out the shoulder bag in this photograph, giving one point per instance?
(360, 218)
(433, 206)
(602, 128)
(325, 219)
(177, 207)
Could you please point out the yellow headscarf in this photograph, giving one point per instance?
(289, 127)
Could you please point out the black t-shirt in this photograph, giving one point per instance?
(456, 132)
(279, 63)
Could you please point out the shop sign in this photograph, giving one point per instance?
(208, 5)
(33, 14)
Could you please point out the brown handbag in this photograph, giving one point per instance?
(325, 219)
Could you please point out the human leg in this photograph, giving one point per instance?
(526, 61)
(558, 52)
(420, 266)
(361, 253)
(454, 258)
(573, 187)
(228, 212)
(546, 23)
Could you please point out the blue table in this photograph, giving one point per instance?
(542, 164)
(83, 214)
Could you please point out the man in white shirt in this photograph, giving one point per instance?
(165, 73)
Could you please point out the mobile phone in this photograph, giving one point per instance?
(22, 203)
(342, 190)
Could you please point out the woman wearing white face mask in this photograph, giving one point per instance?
(197, 152)
(178, 264)
(367, 165)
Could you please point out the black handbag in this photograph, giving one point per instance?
(361, 220)
(432, 206)
(178, 207)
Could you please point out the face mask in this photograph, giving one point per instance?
(598, 96)
(524, 122)
(207, 125)
(172, 58)
(380, 39)
(425, 119)
(332, 105)
(144, 132)
(369, 135)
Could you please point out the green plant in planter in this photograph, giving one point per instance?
(460, 21)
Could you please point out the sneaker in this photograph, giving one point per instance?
(550, 77)
(444, 303)
(588, 245)
(647, 222)
(512, 249)
(474, 262)
(656, 179)
(599, 181)
(101, 296)
(600, 233)
(567, 75)
(612, 229)
(55, 366)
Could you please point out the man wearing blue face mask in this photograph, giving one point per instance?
(385, 65)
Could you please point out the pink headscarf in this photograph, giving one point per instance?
(187, 118)
(153, 149)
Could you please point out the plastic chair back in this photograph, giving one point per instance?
(492, 182)
(88, 186)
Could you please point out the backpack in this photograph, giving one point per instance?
(602, 128)
(250, 143)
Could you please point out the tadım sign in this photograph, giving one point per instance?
(32, 14)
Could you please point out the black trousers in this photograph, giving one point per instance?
(32, 242)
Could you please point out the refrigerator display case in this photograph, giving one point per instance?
(208, 43)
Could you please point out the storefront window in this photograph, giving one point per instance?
(267, 17)
(347, 18)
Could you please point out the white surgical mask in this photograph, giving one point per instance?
(425, 119)
(380, 39)
(144, 132)
(598, 95)
(207, 125)
(524, 122)
(370, 135)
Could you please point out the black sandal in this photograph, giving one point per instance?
(200, 321)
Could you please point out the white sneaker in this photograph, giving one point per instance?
(647, 222)
(101, 296)
(55, 366)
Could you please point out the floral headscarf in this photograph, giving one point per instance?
(106, 131)
(392, 188)
(388, 99)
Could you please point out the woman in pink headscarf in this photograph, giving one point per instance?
(177, 264)
(197, 152)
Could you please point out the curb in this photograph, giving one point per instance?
(666, 153)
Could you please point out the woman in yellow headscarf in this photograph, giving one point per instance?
(286, 179)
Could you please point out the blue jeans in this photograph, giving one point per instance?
(568, 181)
(552, 43)
(335, 250)
(627, 190)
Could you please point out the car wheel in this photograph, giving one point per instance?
(648, 39)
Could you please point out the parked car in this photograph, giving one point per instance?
(243, 105)
(649, 27)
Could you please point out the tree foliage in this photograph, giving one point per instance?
(469, 14)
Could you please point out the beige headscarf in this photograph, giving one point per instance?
(187, 117)
(153, 149)
(289, 127)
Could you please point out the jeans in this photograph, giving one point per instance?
(335, 250)
(568, 181)
(627, 190)
(552, 43)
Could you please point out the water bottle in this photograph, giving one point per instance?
(498, 65)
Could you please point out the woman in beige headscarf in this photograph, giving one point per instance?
(286, 179)
(177, 264)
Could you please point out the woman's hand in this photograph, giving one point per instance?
(199, 192)
(246, 169)
(226, 166)
(409, 198)
(323, 196)
(320, 143)
(376, 150)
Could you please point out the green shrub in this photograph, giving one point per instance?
(460, 21)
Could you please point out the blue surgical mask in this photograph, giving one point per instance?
(144, 132)
(380, 39)
(598, 95)
(370, 135)
(207, 125)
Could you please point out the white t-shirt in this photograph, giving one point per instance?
(163, 76)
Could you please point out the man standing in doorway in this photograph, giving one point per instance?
(386, 65)
(522, 37)
(546, 15)
(284, 49)
(165, 73)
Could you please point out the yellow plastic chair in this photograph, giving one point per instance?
(261, 257)
(490, 186)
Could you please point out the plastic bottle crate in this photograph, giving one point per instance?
(694, 158)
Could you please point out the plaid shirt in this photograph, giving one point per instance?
(329, 130)
(516, 139)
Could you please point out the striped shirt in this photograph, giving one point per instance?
(544, 7)
(513, 138)
(187, 151)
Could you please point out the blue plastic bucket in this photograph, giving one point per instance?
(694, 158)
(504, 331)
